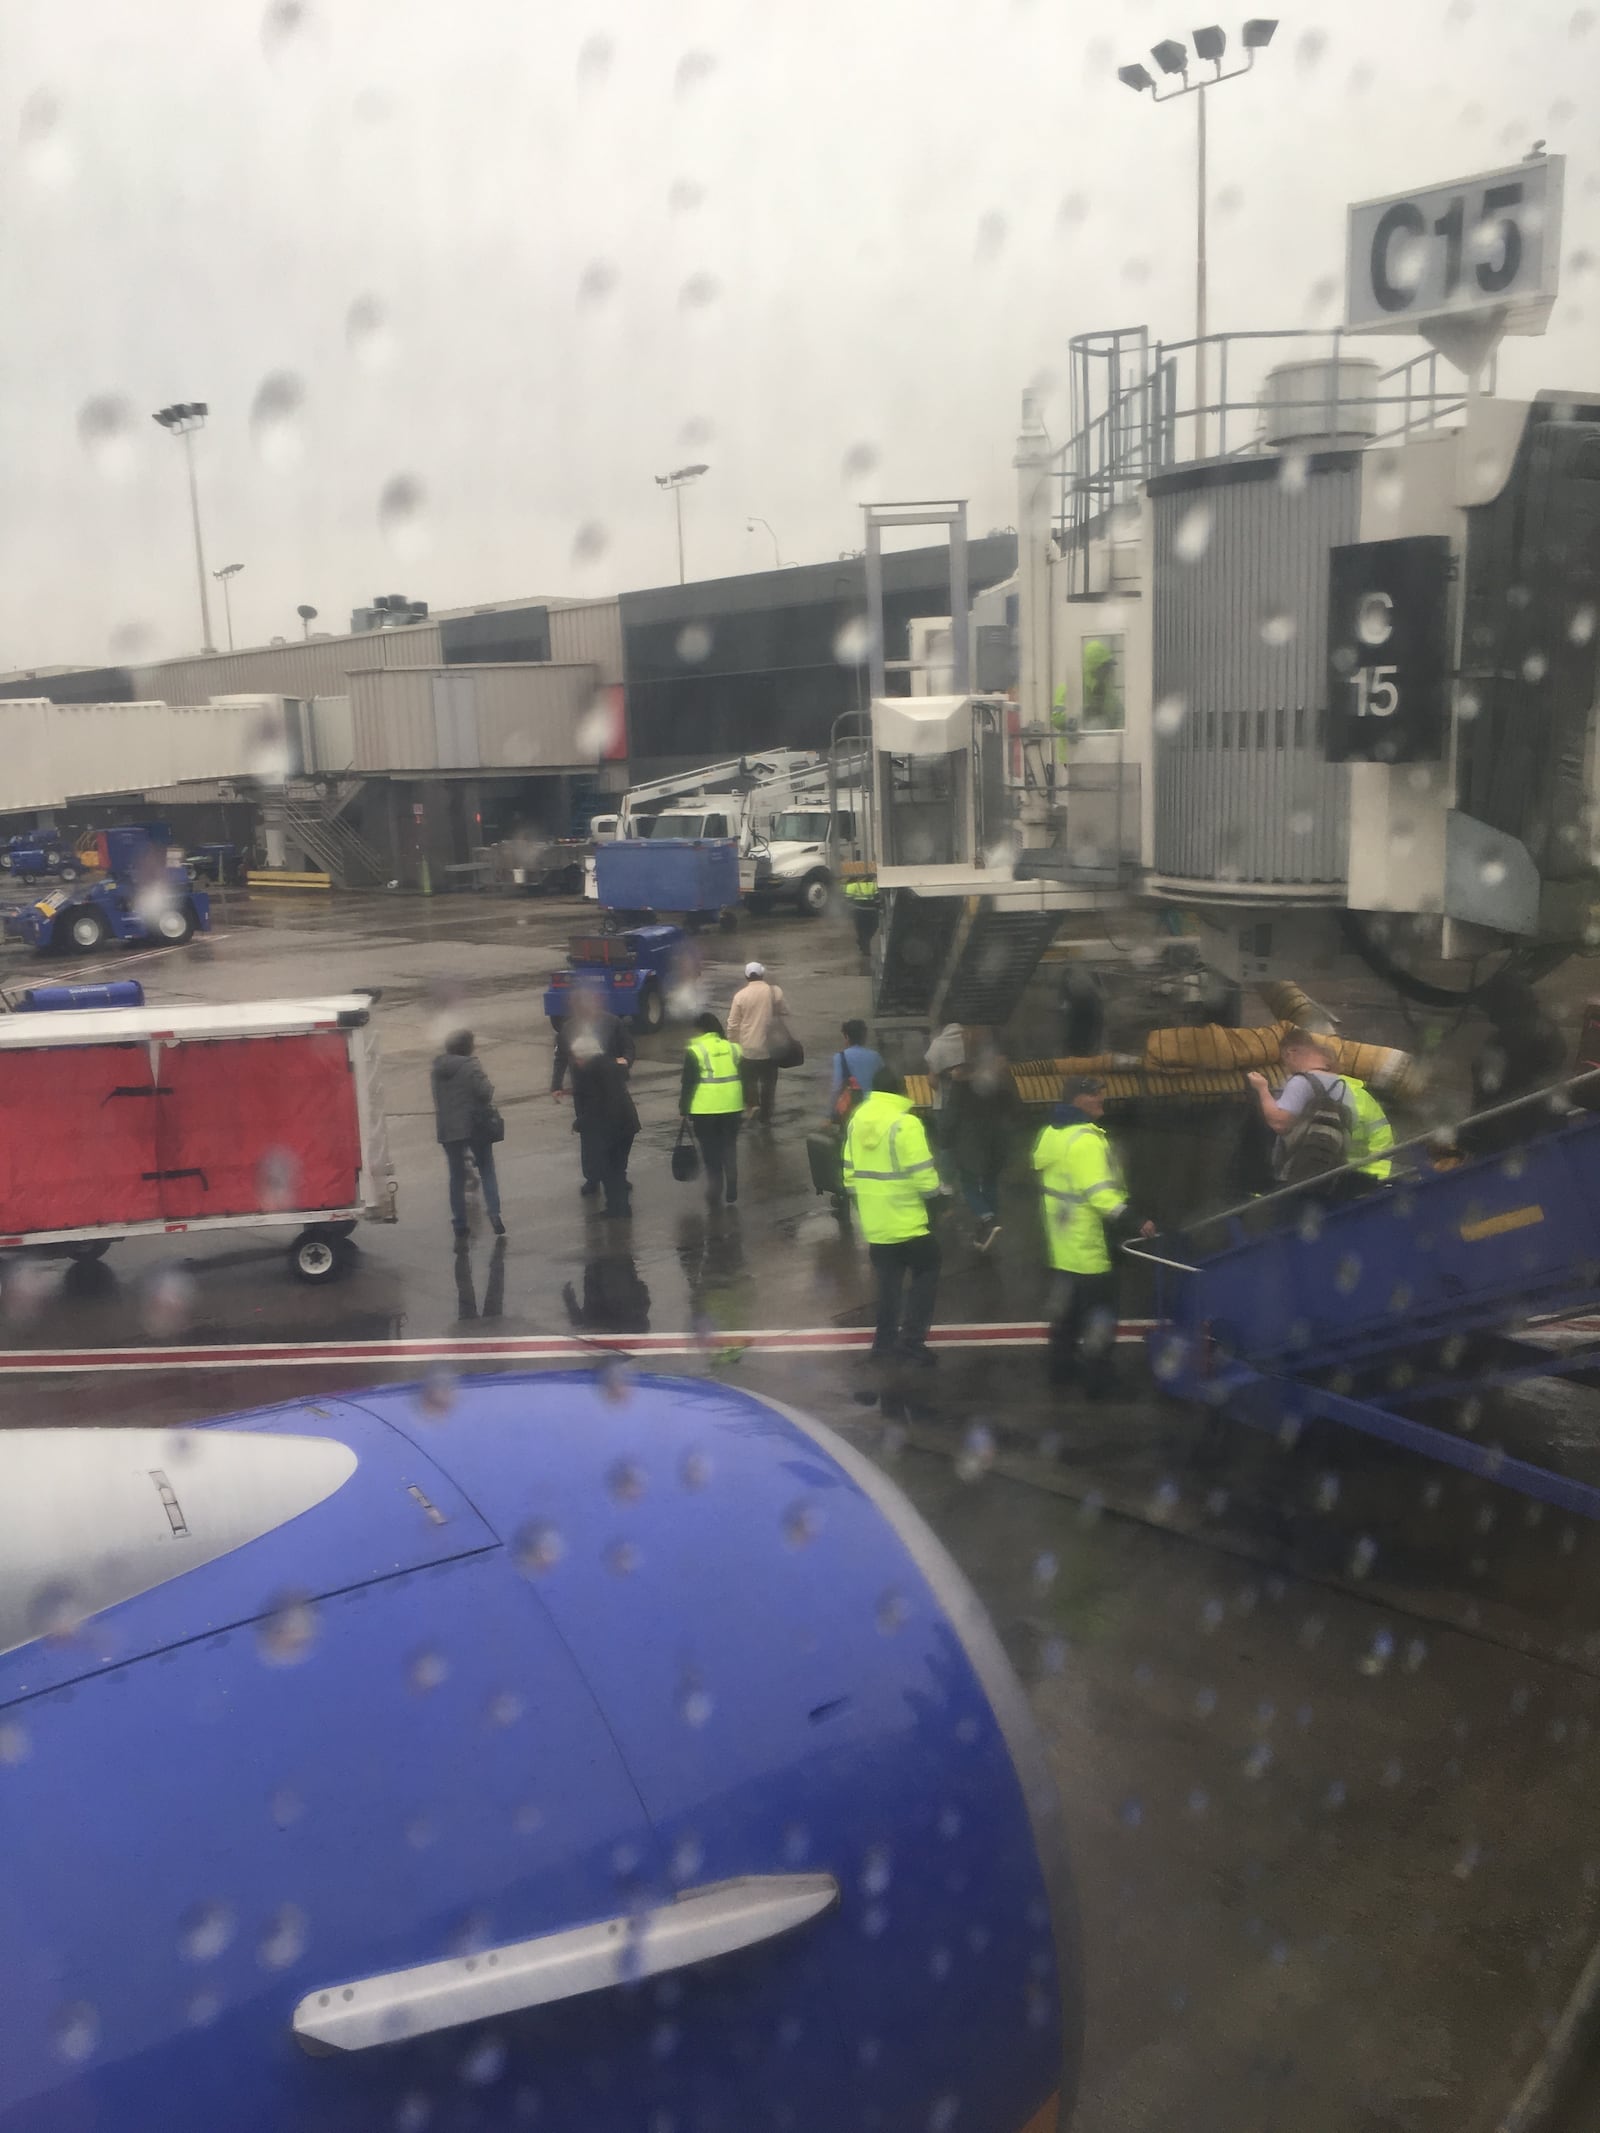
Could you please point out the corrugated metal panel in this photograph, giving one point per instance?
(57, 752)
(392, 714)
(1242, 792)
(520, 718)
(333, 735)
(530, 716)
(316, 669)
(592, 633)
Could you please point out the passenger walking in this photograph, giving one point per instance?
(1085, 1207)
(597, 1049)
(1312, 1115)
(982, 1118)
(710, 1099)
(750, 1019)
(854, 1067)
(890, 1172)
(466, 1123)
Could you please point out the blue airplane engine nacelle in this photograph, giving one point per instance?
(557, 1752)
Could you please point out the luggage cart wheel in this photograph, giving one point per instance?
(317, 1255)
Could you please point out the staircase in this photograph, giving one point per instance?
(913, 940)
(312, 817)
(990, 960)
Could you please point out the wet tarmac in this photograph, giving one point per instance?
(1324, 1715)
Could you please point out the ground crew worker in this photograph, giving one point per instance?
(888, 1169)
(1372, 1136)
(1081, 1183)
(711, 1098)
(862, 896)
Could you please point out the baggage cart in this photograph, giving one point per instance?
(159, 1121)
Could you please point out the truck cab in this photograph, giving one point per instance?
(797, 856)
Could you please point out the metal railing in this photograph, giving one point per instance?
(1137, 412)
(1411, 1160)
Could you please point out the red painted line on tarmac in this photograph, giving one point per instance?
(533, 1347)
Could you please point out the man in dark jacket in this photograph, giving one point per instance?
(597, 1049)
(463, 1113)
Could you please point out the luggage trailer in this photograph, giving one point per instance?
(159, 1121)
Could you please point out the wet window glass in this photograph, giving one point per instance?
(800, 1068)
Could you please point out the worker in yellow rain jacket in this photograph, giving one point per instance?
(1080, 1182)
(890, 1173)
(711, 1098)
(1372, 1136)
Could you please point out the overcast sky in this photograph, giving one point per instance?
(517, 258)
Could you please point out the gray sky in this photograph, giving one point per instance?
(531, 255)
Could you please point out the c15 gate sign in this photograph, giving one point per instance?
(1487, 244)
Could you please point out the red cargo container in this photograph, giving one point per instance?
(131, 1121)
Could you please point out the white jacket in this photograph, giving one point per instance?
(750, 1016)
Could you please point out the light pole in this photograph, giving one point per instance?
(183, 418)
(308, 615)
(777, 553)
(1172, 57)
(228, 570)
(677, 481)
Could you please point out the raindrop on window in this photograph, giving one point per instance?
(1301, 822)
(1193, 535)
(694, 1701)
(1072, 211)
(167, 1302)
(1309, 49)
(694, 643)
(1168, 715)
(106, 432)
(281, 24)
(860, 461)
(75, 2031)
(1535, 667)
(976, 1455)
(802, 1522)
(684, 196)
(698, 291)
(991, 238)
(693, 69)
(597, 281)
(275, 414)
(622, 1558)
(594, 60)
(892, 1614)
(46, 152)
(538, 1548)
(367, 334)
(284, 1941)
(204, 1932)
(852, 642)
(695, 1471)
(402, 516)
(1294, 471)
(286, 1634)
(1581, 628)
(484, 2063)
(626, 1481)
(1278, 629)
(1492, 871)
(426, 1670)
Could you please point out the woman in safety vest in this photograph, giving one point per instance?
(1080, 1181)
(889, 1171)
(711, 1098)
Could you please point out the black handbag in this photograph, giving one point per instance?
(494, 1126)
(784, 1048)
(685, 1155)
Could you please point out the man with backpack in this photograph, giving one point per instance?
(1313, 1115)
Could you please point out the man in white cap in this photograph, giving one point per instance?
(750, 1019)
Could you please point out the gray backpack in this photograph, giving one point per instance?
(1318, 1140)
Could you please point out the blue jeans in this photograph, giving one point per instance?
(482, 1152)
